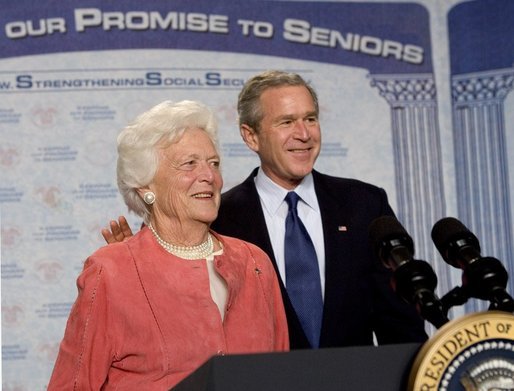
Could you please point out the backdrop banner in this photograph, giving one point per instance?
(414, 97)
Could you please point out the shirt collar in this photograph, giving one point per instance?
(273, 195)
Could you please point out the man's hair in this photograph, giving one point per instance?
(248, 104)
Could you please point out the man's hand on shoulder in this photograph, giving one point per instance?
(119, 231)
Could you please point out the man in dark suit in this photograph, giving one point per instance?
(278, 119)
(358, 299)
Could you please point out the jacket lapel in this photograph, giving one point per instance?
(249, 217)
(337, 234)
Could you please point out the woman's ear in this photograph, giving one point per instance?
(142, 190)
(249, 137)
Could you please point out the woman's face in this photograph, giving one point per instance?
(188, 182)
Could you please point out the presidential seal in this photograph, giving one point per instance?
(474, 352)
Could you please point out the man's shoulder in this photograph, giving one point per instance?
(342, 184)
(240, 193)
(238, 190)
(246, 192)
(239, 207)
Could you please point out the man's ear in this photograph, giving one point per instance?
(250, 137)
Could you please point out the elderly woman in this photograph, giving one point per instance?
(153, 308)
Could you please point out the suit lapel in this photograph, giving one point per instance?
(336, 223)
(251, 218)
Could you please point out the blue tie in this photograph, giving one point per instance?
(302, 273)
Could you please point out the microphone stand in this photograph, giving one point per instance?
(485, 278)
(456, 296)
(415, 282)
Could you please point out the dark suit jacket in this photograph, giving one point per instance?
(358, 296)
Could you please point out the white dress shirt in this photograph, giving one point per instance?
(275, 210)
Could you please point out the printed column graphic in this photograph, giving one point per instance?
(417, 160)
(481, 166)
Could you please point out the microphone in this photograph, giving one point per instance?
(413, 280)
(483, 278)
(391, 242)
(458, 245)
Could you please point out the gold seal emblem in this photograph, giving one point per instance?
(474, 352)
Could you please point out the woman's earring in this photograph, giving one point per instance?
(149, 197)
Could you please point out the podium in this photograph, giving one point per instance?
(367, 368)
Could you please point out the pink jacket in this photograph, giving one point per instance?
(144, 319)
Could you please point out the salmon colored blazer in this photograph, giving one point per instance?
(144, 319)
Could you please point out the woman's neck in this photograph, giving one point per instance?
(181, 234)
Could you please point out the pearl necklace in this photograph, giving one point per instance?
(199, 251)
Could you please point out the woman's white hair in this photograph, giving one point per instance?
(138, 145)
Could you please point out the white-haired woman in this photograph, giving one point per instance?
(153, 308)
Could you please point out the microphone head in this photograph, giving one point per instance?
(450, 235)
(386, 229)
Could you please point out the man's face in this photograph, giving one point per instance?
(289, 138)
